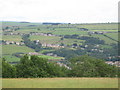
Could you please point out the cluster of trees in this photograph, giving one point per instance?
(35, 67)
(90, 40)
(74, 36)
(32, 44)
(86, 66)
(12, 28)
(32, 67)
(107, 52)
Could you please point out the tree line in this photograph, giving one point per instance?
(32, 44)
(36, 67)
(107, 52)
(88, 40)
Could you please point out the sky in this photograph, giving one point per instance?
(67, 11)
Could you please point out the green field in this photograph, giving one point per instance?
(11, 58)
(69, 32)
(60, 83)
(61, 29)
(16, 38)
(113, 35)
(105, 30)
(46, 39)
(55, 40)
(18, 24)
(10, 49)
(106, 39)
(98, 26)
(26, 31)
(50, 57)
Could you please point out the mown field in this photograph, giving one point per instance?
(60, 83)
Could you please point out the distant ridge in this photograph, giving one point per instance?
(24, 22)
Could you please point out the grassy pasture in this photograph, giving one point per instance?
(104, 26)
(106, 39)
(46, 39)
(105, 30)
(12, 38)
(55, 40)
(113, 35)
(11, 58)
(60, 83)
(69, 32)
(26, 31)
(50, 57)
(18, 24)
(10, 49)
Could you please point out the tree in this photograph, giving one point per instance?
(8, 71)
(75, 44)
(35, 66)
(62, 44)
(86, 66)
(32, 44)
(62, 38)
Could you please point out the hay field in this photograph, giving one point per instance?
(60, 83)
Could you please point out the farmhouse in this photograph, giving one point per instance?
(83, 29)
(97, 32)
(9, 42)
(61, 64)
(42, 34)
(52, 45)
(12, 42)
(34, 53)
(116, 63)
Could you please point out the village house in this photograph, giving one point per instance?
(61, 64)
(116, 63)
(17, 43)
(52, 45)
(42, 34)
(99, 32)
(34, 53)
(12, 42)
(50, 54)
(9, 42)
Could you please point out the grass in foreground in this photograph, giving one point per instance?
(60, 83)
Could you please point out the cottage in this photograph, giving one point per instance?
(33, 53)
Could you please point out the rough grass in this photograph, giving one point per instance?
(61, 83)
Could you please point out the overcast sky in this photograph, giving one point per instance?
(73, 11)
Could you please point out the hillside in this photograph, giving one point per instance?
(60, 40)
